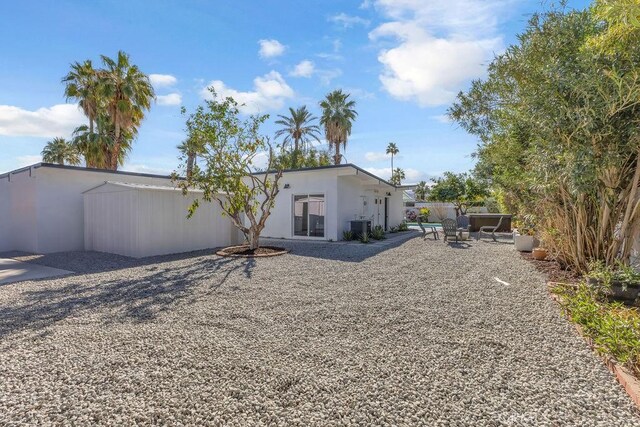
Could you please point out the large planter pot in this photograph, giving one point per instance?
(620, 291)
(524, 243)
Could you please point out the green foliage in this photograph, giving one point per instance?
(338, 115)
(614, 329)
(298, 129)
(114, 99)
(463, 190)
(607, 274)
(60, 151)
(348, 235)
(397, 176)
(364, 238)
(300, 159)
(227, 174)
(403, 226)
(393, 229)
(421, 191)
(378, 233)
(557, 117)
(424, 214)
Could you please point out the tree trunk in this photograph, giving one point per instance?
(391, 164)
(337, 158)
(254, 238)
(191, 157)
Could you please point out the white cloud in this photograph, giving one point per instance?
(442, 118)
(162, 80)
(303, 69)
(170, 99)
(269, 93)
(366, 4)
(28, 160)
(327, 76)
(376, 156)
(411, 175)
(440, 46)
(348, 21)
(271, 48)
(48, 122)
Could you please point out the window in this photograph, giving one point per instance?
(308, 215)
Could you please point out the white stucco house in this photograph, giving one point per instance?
(47, 208)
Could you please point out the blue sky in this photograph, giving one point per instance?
(402, 60)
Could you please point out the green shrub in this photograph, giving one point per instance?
(364, 238)
(619, 272)
(403, 226)
(614, 328)
(377, 233)
(348, 235)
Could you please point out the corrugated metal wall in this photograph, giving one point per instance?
(146, 222)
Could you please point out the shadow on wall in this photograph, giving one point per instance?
(138, 296)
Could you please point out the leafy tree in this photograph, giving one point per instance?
(298, 131)
(397, 176)
(299, 159)
(189, 150)
(460, 189)
(114, 99)
(60, 151)
(392, 149)
(421, 191)
(557, 117)
(227, 175)
(338, 115)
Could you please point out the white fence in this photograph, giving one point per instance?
(440, 210)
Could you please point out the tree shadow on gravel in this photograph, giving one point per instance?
(343, 251)
(137, 297)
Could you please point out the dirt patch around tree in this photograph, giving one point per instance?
(243, 251)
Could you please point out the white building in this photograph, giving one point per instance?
(48, 208)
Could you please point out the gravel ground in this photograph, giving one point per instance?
(418, 333)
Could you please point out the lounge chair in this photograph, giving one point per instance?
(490, 229)
(450, 228)
(432, 228)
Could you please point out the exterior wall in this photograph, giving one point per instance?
(441, 210)
(146, 222)
(5, 221)
(19, 193)
(280, 222)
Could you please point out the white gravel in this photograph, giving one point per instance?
(331, 334)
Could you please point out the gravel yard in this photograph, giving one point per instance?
(418, 333)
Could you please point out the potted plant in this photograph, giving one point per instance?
(524, 238)
(539, 253)
(620, 282)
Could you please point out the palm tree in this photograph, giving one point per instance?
(82, 85)
(94, 146)
(127, 93)
(60, 151)
(421, 191)
(298, 128)
(397, 176)
(392, 149)
(338, 114)
(191, 148)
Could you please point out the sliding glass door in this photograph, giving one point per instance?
(308, 215)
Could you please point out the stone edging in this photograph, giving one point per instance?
(222, 252)
(627, 380)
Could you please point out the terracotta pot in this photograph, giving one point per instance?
(539, 253)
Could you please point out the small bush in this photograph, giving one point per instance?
(620, 273)
(614, 328)
(377, 233)
(364, 238)
(424, 214)
(348, 235)
(403, 226)
(393, 230)
(411, 215)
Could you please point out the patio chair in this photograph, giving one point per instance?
(450, 228)
(432, 228)
(463, 222)
(490, 229)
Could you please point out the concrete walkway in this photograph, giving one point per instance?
(16, 271)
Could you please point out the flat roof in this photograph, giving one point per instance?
(150, 175)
